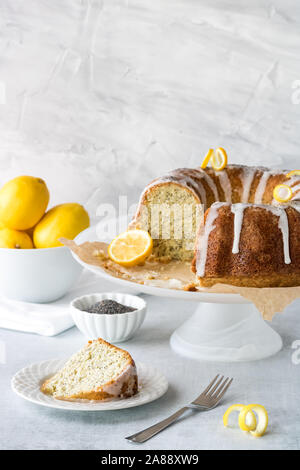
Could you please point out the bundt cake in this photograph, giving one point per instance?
(100, 371)
(228, 222)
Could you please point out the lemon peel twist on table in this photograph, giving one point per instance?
(247, 419)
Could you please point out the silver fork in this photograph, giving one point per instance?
(208, 399)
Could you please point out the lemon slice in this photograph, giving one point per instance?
(262, 419)
(293, 173)
(282, 193)
(219, 159)
(207, 158)
(130, 248)
(250, 416)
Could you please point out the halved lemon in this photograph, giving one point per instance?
(293, 173)
(262, 419)
(250, 416)
(130, 248)
(282, 193)
(219, 159)
(207, 158)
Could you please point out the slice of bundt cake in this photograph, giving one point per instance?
(99, 371)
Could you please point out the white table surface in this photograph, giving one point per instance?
(274, 382)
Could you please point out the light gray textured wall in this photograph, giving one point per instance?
(101, 96)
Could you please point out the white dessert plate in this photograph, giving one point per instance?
(27, 382)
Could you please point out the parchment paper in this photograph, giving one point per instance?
(178, 275)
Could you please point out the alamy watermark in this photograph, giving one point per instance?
(163, 221)
(296, 353)
(296, 93)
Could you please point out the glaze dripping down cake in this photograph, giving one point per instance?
(100, 371)
(237, 233)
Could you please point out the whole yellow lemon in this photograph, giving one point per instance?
(23, 201)
(65, 220)
(10, 238)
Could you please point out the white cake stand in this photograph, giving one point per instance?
(224, 327)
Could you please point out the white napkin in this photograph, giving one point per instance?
(51, 318)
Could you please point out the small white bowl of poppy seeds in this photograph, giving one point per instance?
(111, 316)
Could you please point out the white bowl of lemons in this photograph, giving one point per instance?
(34, 266)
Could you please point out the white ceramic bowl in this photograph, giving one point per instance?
(37, 275)
(113, 328)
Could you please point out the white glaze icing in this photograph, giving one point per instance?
(126, 377)
(295, 189)
(247, 176)
(283, 224)
(211, 184)
(260, 190)
(185, 181)
(225, 184)
(292, 180)
(203, 239)
(238, 211)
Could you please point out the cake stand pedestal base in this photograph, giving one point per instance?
(226, 333)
